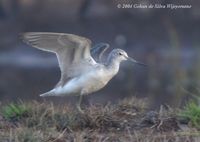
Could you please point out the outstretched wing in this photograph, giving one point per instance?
(98, 50)
(73, 52)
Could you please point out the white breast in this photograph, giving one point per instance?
(85, 84)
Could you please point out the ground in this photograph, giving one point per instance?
(128, 120)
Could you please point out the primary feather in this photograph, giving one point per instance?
(73, 52)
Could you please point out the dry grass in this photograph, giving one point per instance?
(126, 121)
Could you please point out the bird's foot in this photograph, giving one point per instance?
(80, 109)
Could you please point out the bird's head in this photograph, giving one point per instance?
(120, 55)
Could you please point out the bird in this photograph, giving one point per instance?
(82, 70)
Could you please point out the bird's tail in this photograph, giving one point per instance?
(50, 93)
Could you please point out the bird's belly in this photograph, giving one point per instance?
(73, 87)
(93, 86)
(85, 84)
(92, 83)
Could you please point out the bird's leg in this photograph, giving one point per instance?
(85, 100)
(79, 104)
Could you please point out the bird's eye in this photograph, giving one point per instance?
(120, 53)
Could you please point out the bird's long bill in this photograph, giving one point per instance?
(134, 61)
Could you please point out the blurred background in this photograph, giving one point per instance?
(167, 40)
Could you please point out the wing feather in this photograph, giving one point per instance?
(98, 51)
(73, 52)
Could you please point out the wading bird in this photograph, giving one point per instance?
(80, 73)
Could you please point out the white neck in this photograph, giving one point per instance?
(112, 65)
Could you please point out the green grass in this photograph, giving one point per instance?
(192, 113)
(14, 111)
